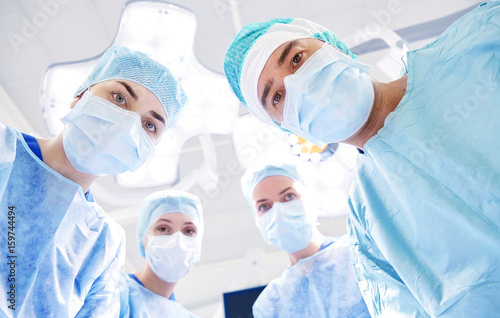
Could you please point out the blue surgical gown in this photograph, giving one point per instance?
(62, 255)
(139, 302)
(424, 213)
(321, 285)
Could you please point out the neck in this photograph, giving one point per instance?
(311, 249)
(54, 156)
(152, 282)
(387, 98)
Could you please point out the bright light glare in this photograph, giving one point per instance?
(315, 157)
(66, 82)
(305, 156)
(334, 200)
(296, 149)
(348, 153)
(331, 173)
(143, 24)
(130, 179)
(193, 118)
(168, 144)
(309, 173)
(293, 140)
(175, 59)
(219, 120)
(162, 170)
(221, 94)
(196, 88)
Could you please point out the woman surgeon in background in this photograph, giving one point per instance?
(320, 281)
(169, 233)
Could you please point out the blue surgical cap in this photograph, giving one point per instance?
(168, 201)
(121, 63)
(254, 175)
(265, 38)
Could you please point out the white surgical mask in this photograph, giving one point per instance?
(329, 98)
(101, 138)
(287, 226)
(171, 257)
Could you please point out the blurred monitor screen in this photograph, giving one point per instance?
(238, 304)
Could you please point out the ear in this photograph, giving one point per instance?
(145, 242)
(73, 103)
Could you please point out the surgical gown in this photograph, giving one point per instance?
(139, 302)
(322, 285)
(425, 203)
(62, 255)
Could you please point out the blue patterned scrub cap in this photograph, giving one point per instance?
(168, 201)
(122, 63)
(255, 174)
(252, 47)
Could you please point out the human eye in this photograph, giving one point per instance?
(150, 126)
(190, 232)
(162, 229)
(296, 59)
(276, 98)
(119, 98)
(264, 207)
(290, 196)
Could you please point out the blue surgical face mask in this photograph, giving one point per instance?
(329, 98)
(101, 138)
(171, 257)
(287, 226)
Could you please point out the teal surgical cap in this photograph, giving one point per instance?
(252, 47)
(168, 201)
(122, 63)
(254, 175)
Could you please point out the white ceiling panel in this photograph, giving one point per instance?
(75, 33)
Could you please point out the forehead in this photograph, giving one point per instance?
(271, 186)
(175, 219)
(145, 97)
(272, 61)
(276, 58)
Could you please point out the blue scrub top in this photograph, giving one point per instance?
(172, 297)
(424, 213)
(322, 285)
(138, 301)
(64, 244)
(35, 147)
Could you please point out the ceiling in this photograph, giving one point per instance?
(234, 255)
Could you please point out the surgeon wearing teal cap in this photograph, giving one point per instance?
(320, 282)
(68, 253)
(169, 233)
(424, 224)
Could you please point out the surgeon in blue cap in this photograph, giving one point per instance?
(320, 281)
(424, 219)
(67, 253)
(169, 233)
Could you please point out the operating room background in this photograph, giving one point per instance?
(234, 256)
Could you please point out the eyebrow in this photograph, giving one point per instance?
(267, 89)
(158, 117)
(285, 190)
(285, 52)
(281, 60)
(189, 223)
(261, 200)
(165, 220)
(129, 89)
